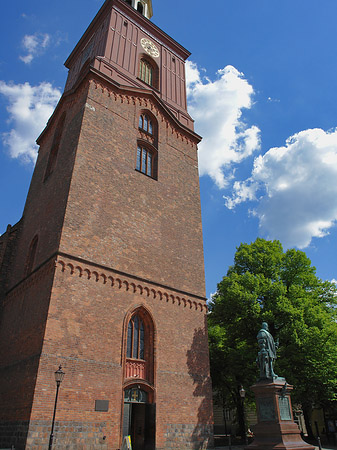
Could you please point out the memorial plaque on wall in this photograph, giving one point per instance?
(102, 405)
(266, 409)
(285, 413)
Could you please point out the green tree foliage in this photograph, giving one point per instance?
(281, 288)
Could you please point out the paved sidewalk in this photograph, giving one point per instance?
(241, 447)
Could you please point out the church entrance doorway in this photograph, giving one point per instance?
(139, 419)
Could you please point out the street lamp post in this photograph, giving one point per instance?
(59, 375)
(242, 393)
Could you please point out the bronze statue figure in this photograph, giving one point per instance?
(267, 354)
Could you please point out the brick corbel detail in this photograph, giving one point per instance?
(143, 102)
(36, 276)
(117, 282)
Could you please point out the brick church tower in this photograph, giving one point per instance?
(104, 273)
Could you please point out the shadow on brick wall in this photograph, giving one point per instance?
(198, 369)
(17, 392)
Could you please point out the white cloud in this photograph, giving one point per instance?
(217, 107)
(192, 76)
(34, 45)
(29, 108)
(27, 59)
(295, 187)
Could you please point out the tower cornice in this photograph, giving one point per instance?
(126, 90)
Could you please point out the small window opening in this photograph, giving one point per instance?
(145, 124)
(140, 7)
(55, 147)
(31, 256)
(145, 160)
(129, 2)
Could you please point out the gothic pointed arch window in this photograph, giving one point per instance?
(135, 340)
(139, 351)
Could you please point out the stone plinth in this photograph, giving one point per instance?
(276, 428)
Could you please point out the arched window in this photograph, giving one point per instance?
(146, 160)
(139, 346)
(31, 256)
(55, 147)
(140, 7)
(135, 339)
(146, 72)
(145, 123)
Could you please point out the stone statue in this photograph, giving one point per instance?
(267, 353)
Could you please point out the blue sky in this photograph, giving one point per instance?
(262, 88)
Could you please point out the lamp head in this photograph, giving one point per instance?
(59, 375)
(242, 392)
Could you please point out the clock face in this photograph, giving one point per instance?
(149, 47)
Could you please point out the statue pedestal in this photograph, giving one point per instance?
(276, 428)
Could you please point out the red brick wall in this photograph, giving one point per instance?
(46, 201)
(22, 325)
(123, 240)
(120, 218)
(84, 333)
(8, 243)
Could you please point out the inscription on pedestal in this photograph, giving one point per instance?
(285, 413)
(266, 409)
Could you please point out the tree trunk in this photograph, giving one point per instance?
(224, 414)
(307, 416)
(241, 418)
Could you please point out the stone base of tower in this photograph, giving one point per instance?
(276, 428)
(68, 434)
(73, 435)
(189, 437)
